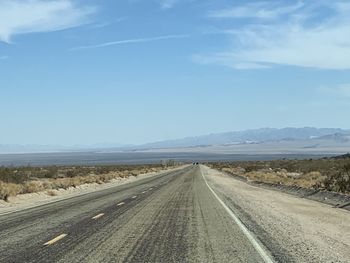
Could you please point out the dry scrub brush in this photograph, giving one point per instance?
(332, 174)
(21, 180)
(9, 189)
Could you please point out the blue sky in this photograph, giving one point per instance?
(135, 71)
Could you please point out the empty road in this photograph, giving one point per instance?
(178, 216)
(169, 218)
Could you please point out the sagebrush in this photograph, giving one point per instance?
(332, 174)
(21, 180)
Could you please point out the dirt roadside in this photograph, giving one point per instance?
(25, 201)
(306, 230)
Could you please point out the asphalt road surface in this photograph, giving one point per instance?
(174, 217)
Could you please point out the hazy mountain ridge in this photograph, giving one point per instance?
(254, 136)
(310, 137)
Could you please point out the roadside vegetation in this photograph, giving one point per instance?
(21, 180)
(332, 174)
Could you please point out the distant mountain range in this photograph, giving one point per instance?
(255, 136)
(306, 138)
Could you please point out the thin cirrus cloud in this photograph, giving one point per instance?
(31, 16)
(106, 24)
(314, 34)
(130, 41)
(261, 10)
(167, 4)
(3, 57)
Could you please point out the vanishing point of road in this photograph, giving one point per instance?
(171, 217)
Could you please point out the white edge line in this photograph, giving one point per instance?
(264, 255)
(56, 239)
(98, 216)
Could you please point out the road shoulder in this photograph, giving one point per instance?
(26, 201)
(305, 230)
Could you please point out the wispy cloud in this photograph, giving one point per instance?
(227, 59)
(106, 24)
(100, 25)
(130, 41)
(29, 16)
(166, 4)
(121, 19)
(261, 10)
(4, 57)
(314, 34)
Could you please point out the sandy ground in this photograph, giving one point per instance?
(25, 201)
(308, 231)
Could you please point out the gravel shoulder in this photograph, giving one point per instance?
(292, 228)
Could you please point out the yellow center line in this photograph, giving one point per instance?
(98, 216)
(122, 203)
(56, 239)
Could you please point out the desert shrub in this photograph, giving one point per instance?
(16, 180)
(314, 175)
(252, 167)
(339, 182)
(33, 187)
(330, 173)
(51, 193)
(9, 189)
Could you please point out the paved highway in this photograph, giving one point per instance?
(173, 217)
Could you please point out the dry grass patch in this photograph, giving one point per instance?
(332, 174)
(308, 180)
(20, 180)
(8, 189)
(33, 187)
